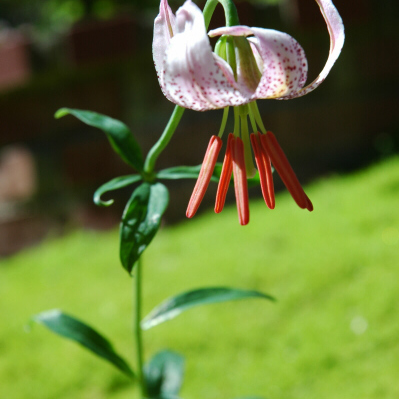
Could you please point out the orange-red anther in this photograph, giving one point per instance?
(240, 180)
(204, 177)
(284, 169)
(265, 170)
(225, 176)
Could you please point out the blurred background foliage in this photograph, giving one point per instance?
(333, 332)
(334, 271)
(54, 17)
(96, 54)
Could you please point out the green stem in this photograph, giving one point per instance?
(137, 330)
(230, 11)
(163, 141)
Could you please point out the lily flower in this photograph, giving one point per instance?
(248, 64)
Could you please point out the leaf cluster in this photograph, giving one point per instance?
(141, 219)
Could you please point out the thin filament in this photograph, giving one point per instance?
(254, 108)
(224, 121)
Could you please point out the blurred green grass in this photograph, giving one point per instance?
(334, 332)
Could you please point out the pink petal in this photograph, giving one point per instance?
(284, 61)
(164, 28)
(335, 28)
(193, 76)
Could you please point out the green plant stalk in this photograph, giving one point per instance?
(230, 12)
(149, 168)
(137, 329)
(159, 146)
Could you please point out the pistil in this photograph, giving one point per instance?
(249, 163)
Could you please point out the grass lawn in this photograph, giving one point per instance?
(333, 334)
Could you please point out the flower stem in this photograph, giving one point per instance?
(137, 329)
(230, 11)
(163, 141)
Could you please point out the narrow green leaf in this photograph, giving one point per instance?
(164, 375)
(119, 135)
(185, 172)
(140, 221)
(114, 184)
(75, 330)
(192, 172)
(172, 307)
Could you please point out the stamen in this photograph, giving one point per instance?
(224, 121)
(255, 111)
(240, 181)
(265, 170)
(236, 121)
(204, 177)
(225, 176)
(249, 163)
(252, 119)
(284, 169)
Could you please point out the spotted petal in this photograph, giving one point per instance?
(284, 61)
(164, 28)
(336, 31)
(193, 76)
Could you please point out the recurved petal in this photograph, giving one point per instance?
(336, 31)
(193, 77)
(164, 28)
(283, 60)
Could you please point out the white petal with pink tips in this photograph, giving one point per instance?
(164, 28)
(192, 76)
(336, 31)
(284, 61)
